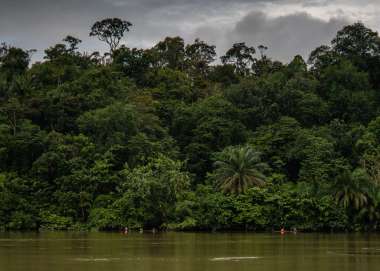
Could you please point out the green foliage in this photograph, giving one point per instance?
(199, 56)
(111, 125)
(13, 61)
(351, 189)
(134, 63)
(259, 209)
(51, 221)
(105, 219)
(164, 137)
(348, 92)
(150, 192)
(356, 40)
(237, 169)
(18, 207)
(170, 53)
(204, 128)
(241, 56)
(110, 31)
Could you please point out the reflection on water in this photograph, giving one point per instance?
(188, 251)
(234, 258)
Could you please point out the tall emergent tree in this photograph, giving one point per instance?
(170, 53)
(199, 56)
(73, 43)
(357, 40)
(13, 61)
(111, 31)
(241, 56)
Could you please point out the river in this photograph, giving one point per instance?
(188, 251)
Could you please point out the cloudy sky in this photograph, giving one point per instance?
(287, 27)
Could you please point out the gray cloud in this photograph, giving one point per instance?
(38, 24)
(289, 35)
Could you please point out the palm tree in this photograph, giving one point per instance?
(238, 169)
(351, 189)
(371, 212)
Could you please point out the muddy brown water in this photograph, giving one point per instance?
(188, 252)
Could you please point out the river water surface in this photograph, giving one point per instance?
(188, 251)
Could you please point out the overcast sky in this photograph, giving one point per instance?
(287, 27)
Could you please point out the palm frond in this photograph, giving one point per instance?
(239, 169)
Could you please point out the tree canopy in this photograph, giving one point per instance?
(111, 31)
(169, 137)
